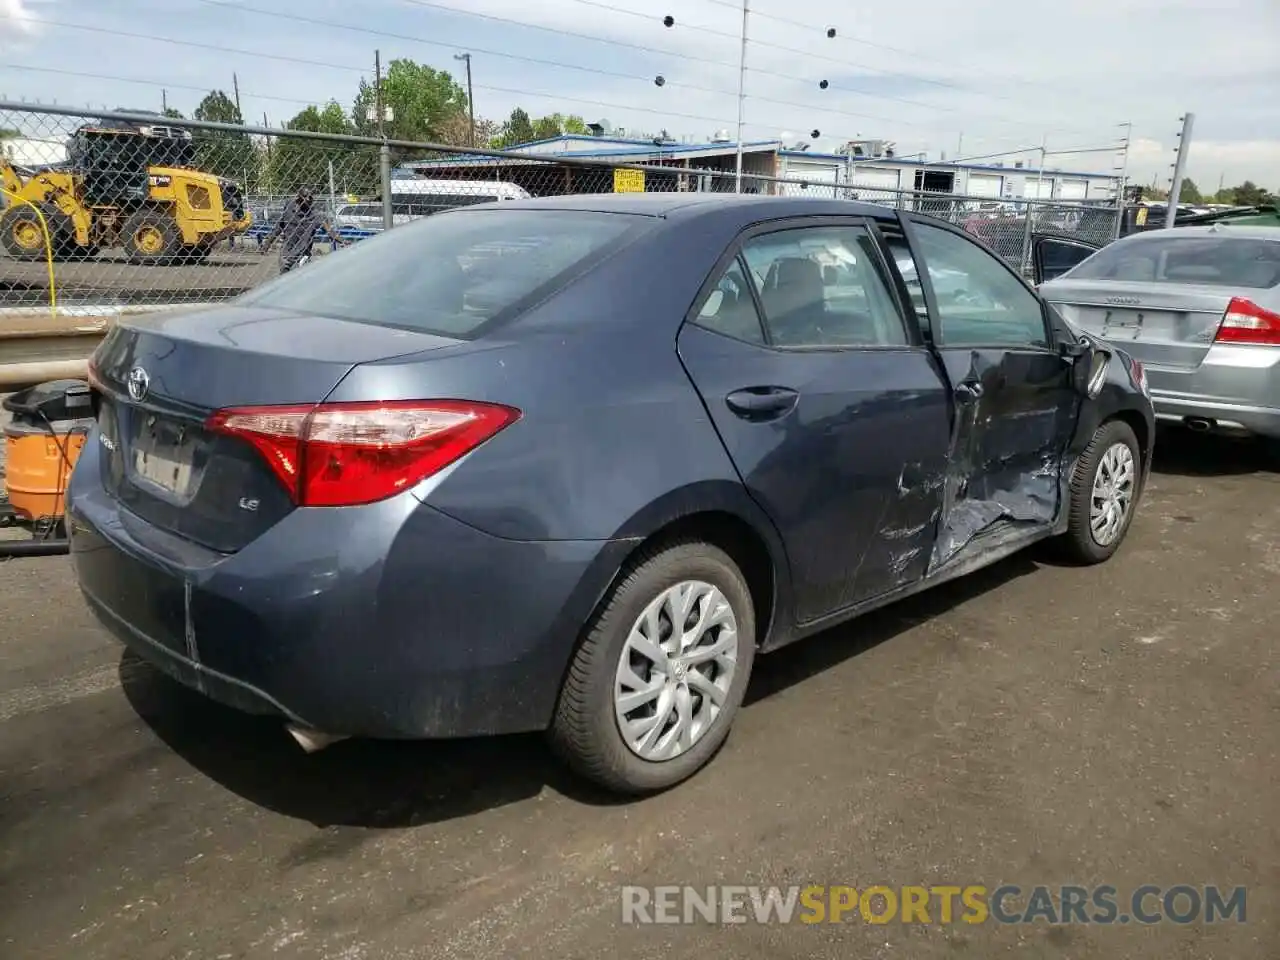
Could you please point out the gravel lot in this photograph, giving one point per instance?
(1033, 724)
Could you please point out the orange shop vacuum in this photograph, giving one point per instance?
(43, 439)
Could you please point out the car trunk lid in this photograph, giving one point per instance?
(1163, 325)
(158, 380)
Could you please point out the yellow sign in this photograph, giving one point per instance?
(628, 181)
(1142, 217)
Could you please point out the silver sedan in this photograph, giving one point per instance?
(1200, 307)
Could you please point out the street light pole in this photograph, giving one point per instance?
(471, 100)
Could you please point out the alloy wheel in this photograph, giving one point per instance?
(675, 671)
(1112, 496)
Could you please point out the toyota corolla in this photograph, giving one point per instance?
(570, 464)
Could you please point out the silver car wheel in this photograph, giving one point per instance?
(676, 669)
(1112, 498)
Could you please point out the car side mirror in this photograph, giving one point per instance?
(1088, 368)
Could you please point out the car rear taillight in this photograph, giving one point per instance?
(344, 454)
(1246, 322)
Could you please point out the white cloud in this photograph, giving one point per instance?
(18, 19)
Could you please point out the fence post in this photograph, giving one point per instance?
(384, 175)
(1025, 259)
(1179, 169)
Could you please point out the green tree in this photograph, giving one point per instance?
(173, 113)
(456, 131)
(517, 129)
(422, 101)
(305, 162)
(1247, 194)
(224, 152)
(1190, 192)
(557, 124)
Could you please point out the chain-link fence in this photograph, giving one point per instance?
(117, 211)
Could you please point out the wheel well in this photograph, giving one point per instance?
(1138, 425)
(741, 542)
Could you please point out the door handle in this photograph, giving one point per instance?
(762, 403)
(968, 391)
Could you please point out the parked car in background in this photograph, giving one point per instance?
(366, 215)
(412, 198)
(570, 463)
(423, 197)
(1199, 306)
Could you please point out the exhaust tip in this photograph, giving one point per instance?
(312, 741)
(1199, 424)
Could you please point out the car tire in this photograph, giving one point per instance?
(587, 730)
(1092, 535)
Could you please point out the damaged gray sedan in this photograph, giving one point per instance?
(569, 464)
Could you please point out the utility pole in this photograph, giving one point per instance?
(1179, 168)
(377, 93)
(471, 100)
(235, 85)
(164, 101)
(384, 151)
(742, 95)
(1027, 226)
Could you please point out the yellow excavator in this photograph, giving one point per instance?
(127, 185)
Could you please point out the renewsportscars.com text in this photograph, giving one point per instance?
(971, 904)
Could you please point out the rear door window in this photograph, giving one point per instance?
(824, 287)
(1200, 259)
(449, 274)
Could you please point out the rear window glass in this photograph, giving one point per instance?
(1215, 261)
(448, 274)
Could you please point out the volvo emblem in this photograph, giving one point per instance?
(1127, 300)
(138, 382)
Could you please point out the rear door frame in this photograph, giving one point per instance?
(1038, 240)
(914, 540)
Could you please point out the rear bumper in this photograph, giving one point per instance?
(1236, 386)
(1227, 417)
(391, 620)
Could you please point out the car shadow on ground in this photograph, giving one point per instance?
(382, 784)
(1183, 453)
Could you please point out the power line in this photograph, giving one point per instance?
(164, 84)
(550, 63)
(597, 4)
(516, 92)
(863, 42)
(219, 48)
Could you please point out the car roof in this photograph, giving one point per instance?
(750, 207)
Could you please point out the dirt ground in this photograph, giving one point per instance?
(1033, 724)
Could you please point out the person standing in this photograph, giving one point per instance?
(296, 230)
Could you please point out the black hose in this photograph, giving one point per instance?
(34, 548)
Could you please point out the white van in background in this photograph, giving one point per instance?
(411, 199)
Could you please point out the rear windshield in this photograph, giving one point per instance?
(448, 274)
(1215, 261)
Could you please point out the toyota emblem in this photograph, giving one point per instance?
(138, 382)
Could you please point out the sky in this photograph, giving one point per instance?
(966, 79)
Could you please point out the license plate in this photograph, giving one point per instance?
(163, 456)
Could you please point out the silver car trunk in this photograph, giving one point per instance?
(1162, 324)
